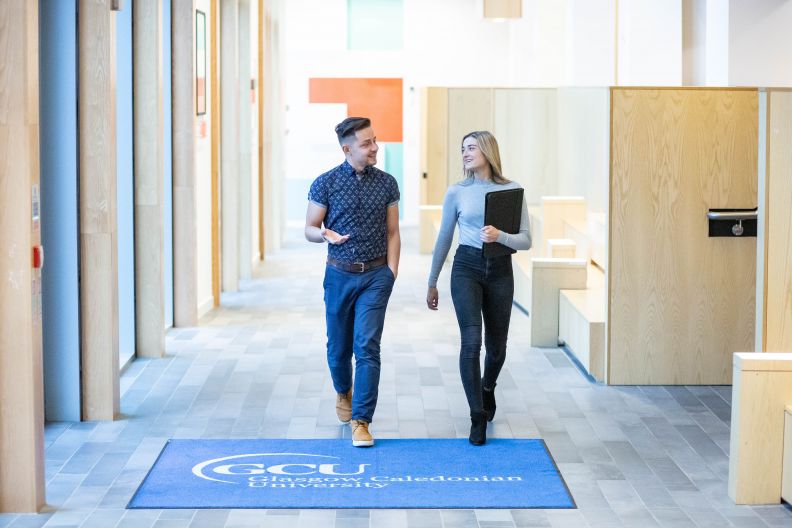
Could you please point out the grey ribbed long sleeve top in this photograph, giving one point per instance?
(464, 206)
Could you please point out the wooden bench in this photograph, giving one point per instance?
(561, 248)
(761, 395)
(556, 212)
(429, 217)
(549, 276)
(581, 325)
(521, 261)
(589, 237)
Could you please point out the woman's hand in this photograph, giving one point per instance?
(489, 234)
(431, 298)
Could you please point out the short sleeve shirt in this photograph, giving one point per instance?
(356, 206)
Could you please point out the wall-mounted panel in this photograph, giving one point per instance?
(469, 109)
(778, 234)
(392, 162)
(583, 116)
(526, 126)
(379, 99)
(434, 145)
(680, 303)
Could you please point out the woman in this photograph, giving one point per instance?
(479, 286)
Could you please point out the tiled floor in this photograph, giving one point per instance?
(632, 456)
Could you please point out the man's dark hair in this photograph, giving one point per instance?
(349, 126)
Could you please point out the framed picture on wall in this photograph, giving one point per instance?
(200, 62)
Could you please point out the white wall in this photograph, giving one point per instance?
(705, 42)
(591, 42)
(760, 47)
(538, 44)
(650, 43)
(717, 42)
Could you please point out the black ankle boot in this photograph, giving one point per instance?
(478, 428)
(489, 401)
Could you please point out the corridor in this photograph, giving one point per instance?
(632, 456)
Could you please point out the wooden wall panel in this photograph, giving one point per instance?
(680, 303)
(185, 214)
(21, 366)
(778, 233)
(469, 109)
(98, 209)
(149, 180)
(434, 147)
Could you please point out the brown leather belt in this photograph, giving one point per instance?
(357, 267)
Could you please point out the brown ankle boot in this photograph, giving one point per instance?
(360, 434)
(344, 406)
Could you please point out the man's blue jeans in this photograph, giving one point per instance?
(355, 308)
(481, 288)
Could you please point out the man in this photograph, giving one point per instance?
(359, 207)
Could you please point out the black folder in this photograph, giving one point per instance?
(502, 210)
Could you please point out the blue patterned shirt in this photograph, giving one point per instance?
(356, 206)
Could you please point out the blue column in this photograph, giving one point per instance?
(59, 213)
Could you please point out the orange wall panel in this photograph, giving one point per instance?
(378, 99)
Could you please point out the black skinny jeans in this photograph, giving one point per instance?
(481, 287)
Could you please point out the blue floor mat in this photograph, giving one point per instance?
(395, 473)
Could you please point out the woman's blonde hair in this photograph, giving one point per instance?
(488, 146)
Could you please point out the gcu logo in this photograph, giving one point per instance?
(296, 464)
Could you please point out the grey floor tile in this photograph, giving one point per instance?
(673, 518)
(601, 518)
(388, 518)
(775, 516)
(103, 518)
(424, 518)
(706, 517)
(463, 519)
(138, 519)
(30, 521)
(530, 519)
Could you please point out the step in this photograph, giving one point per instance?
(581, 326)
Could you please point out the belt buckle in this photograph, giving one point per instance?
(356, 264)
